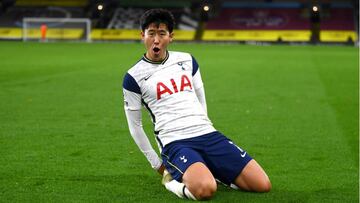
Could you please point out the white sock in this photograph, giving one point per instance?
(179, 189)
(235, 187)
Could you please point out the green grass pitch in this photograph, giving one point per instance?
(64, 136)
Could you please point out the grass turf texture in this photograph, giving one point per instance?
(64, 136)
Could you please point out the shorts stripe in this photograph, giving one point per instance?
(166, 156)
(174, 166)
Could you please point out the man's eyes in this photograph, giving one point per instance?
(154, 33)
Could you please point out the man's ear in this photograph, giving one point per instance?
(171, 36)
(142, 35)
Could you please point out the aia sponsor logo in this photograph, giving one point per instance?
(161, 88)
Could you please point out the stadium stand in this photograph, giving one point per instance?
(125, 18)
(14, 15)
(283, 21)
(258, 20)
(337, 23)
(239, 21)
(62, 3)
(128, 18)
(11, 19)
(187, 20)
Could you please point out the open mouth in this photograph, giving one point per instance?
(156, 50)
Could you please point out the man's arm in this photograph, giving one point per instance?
(132, 106)
(198, 84)
(140, 138)
(199, 89)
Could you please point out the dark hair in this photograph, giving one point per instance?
(157, 16)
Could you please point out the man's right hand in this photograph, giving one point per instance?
(161, 169)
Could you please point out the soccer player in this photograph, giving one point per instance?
(194, 154)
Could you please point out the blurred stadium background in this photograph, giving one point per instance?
(281, 80)
(308, 21)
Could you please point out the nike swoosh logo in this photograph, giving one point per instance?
(243, 155)
(147, 77)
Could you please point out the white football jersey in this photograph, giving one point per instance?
(167, 91)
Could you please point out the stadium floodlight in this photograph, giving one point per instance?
(206, 8)
(56, 29)
(315, 8)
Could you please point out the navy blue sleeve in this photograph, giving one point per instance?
(130, 84)
(195, 66)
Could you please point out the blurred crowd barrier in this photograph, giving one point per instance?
(96, 34)
(186, 35)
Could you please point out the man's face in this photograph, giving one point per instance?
(156, 40)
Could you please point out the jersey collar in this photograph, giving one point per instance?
(156, 62)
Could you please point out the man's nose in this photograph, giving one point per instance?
(157, 39)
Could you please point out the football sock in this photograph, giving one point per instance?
(235, 187)
(179, 189)
(166, 177)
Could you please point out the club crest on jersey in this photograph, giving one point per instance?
(161, 88)
(181, 64)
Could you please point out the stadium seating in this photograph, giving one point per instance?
(259, 22)
(14, 15)
(61, 3)
(280, 21)
(338, 23)
(260, 19)
(125, 18)
(128, 18)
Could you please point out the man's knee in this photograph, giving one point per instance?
(200, 181)
(205, 189)
(253, 178)
(264, 186)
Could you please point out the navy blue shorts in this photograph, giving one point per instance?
(224, 159)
